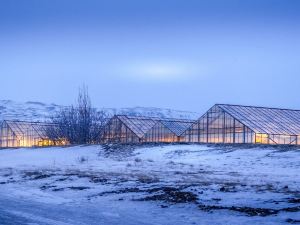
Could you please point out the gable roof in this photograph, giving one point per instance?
(20, 128)
(177, 126)
(266, 120)
(139, 125)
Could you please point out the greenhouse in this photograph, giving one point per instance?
(168, 130)
(135, 129)
(246, 124)
(27, 134)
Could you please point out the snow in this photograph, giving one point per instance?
(91, 185)
(46, 157)
(39, 111)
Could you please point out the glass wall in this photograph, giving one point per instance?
(160, 133)
(216, 126)
(284, 139)
(219, 126)
(116, 131)
(129, 129)
(25, 134)
(7, 137)
(270, 125)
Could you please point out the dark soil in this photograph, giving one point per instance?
(249, 210)
(294, 200)
(171, 195)
(58, 189)
(79, 188)
(291, 221)
(37, 175)
(62, 179)
(94, 179)
(122, 191)
(166, 194)
(227, 189)
(45, 187)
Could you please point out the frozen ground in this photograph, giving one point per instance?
(162, 185)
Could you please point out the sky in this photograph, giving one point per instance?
(179, 54)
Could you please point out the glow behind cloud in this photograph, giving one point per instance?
(160, 71)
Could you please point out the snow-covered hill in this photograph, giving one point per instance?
(38, 111)
(154, 112)
(31, 111)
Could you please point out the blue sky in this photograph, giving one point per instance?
(183, 54)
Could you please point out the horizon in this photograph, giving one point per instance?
(171, 54)
(149, 107)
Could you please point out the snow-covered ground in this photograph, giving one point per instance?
(162, 185)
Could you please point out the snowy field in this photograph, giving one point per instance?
(160, 185)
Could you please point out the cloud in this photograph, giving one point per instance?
(158, 71)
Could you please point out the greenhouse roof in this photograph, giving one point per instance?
(20, 128)
(266, 120)
(140, 125)
(177, 126)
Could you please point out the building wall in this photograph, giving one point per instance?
(160, 133)
(216, 126)
(277, 139)
(116, 131)
(29, 138)
(7, 137)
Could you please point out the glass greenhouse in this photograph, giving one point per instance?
(246, 124)
(222, 123)
(26, 134)
(168, 131)
(129, 129)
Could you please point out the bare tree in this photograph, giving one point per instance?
(80, 124)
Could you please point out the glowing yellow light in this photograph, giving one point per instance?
(261, 138)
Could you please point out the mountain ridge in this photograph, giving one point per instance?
(39, 111)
